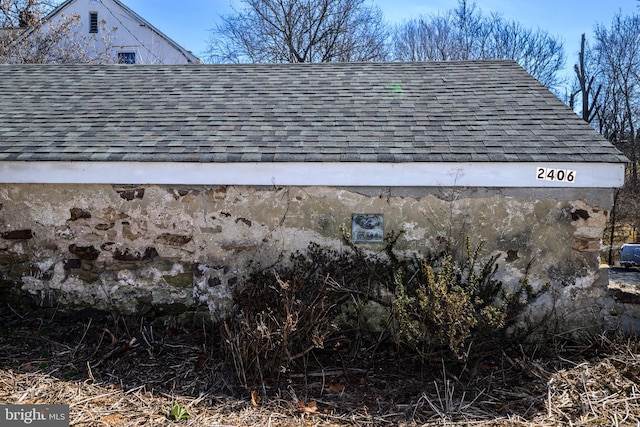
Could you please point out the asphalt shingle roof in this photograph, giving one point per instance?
(475, 111)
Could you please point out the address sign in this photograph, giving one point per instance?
(557, 175)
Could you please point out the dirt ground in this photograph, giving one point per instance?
(130, 372)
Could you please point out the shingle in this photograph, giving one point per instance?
(355, 112)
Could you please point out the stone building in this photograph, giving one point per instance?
(155, 187)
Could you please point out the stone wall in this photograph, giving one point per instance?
(162, 249)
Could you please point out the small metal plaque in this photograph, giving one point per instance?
(367, 228)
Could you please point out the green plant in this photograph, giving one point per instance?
(179, 412)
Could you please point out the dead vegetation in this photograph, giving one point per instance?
(116, 371)
(334, 338)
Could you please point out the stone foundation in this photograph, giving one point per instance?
(162, 249)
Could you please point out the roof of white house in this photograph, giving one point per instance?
(360, 114)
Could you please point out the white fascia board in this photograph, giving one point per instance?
(348, 174)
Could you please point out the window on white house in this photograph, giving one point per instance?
(93, 22)
(126, 57)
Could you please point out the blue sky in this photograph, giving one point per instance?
(189, 22)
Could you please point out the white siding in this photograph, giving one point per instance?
(479, 174)
(125, 32)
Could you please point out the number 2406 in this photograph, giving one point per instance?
(552, 174)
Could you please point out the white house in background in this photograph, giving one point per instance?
(132, 38)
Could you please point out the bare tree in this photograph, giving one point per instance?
(464, 33)
(300, 31)
(422, 39)
(588, 90)
(23, 13)
(28, 38)
(615, 61)
(471, 31)
(617, 54)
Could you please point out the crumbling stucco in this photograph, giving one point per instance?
(164, 249)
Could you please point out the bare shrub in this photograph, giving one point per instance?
(346, 305)
(281, 316)
(449, 304)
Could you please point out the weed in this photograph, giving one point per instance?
(178, 412)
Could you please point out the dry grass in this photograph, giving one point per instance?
(116, 372)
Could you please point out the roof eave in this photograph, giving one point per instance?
(343, 174)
